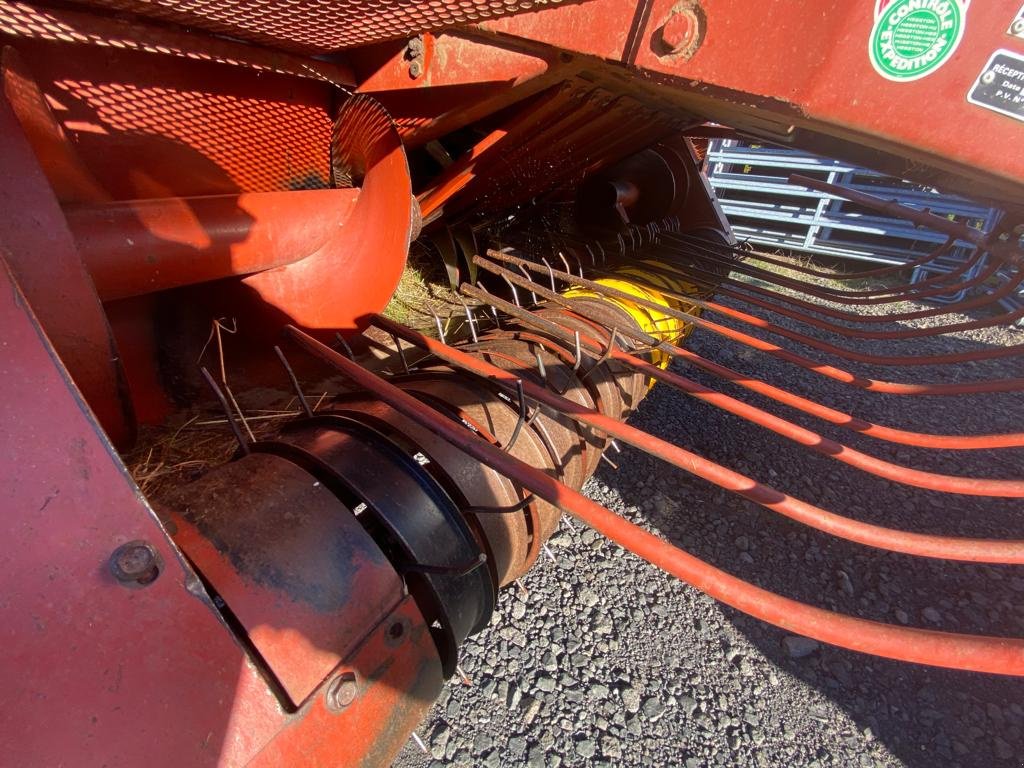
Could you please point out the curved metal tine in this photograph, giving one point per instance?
(604, 355)
(344, 345)
(593, 261)
(519, 506)
(527, 276)
(440, 328)
(578, 351)
(551, 275)
(515, 293)
(604, 255)
(469, 318)
(401, 352)
(522, 416)
(494, 310)
(565, 261)
(219, 394)
(295, 382)
(540, 367)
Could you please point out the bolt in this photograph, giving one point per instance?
(135, 563)
(988, 78)
(341, 691)
(415, 68)
(679, 31)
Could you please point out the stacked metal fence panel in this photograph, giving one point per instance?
(751, 182)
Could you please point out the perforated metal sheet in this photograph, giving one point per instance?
(313, 26)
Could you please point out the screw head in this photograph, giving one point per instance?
(988, 78)
(341, 691)
(1017, 27)
(135, 563)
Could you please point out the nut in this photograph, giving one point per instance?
(135, 563)
(341, 691)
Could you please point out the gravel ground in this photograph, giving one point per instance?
(599, 658)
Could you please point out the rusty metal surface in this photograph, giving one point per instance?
(68, 504)
(42, 255)
(319, 26)
(291, 563)
(505, 535)
(136, 247)
(396, 675)
(357, 270)
(989, 654)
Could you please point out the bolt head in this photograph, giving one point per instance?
(135, 563)
(341, 691)
(679, 30)
(415, 68)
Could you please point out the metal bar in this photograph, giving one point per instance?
(977, 653)
(295, 382)
(996, 385)
(818, 443)
(923, 218)
(923, 545)
(840, 330)
(136, 247)
(845, 420)
(718, 283)
(935, 286)
(219, 394)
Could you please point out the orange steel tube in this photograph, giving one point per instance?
(840, 330)
(693, 273)
(968, 486)
(845, 420)
(873, 385)
(933, 286)
(135, 247)
(922, 545)
(942, 649)
(824, 346)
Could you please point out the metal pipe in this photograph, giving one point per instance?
(969, 652)
(135, 247)
(845, 420)
(969, 486)
(996, 385)
(922, 545)
(718, 283)
(841, 330)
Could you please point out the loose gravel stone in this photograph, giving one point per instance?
(797, 646)
(731, 692)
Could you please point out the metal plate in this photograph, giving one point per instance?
(1000, 86)
(291, 562)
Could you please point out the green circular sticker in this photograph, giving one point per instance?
(913, 38)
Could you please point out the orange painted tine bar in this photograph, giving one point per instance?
(840, 330)
(935, 286)
(847, 421)
(801, 338)
(954, 651)
(838, 374)
(968, 486)
(719, 282)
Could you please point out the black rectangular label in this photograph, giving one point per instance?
(1000, 86)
